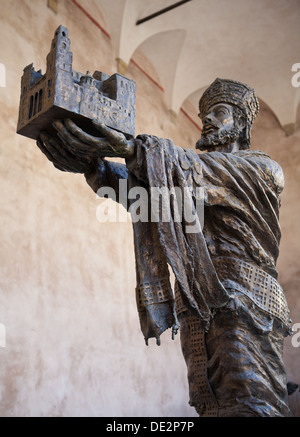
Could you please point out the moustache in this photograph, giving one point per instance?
(209, 127)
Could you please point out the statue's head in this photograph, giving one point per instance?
(227, 110)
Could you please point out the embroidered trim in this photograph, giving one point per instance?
(180, 307)
(150, 293)
(201, 395)
(255, 283)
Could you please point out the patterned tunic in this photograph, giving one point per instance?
(232, 311)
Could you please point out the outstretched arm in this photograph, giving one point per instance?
(76, 151)
(81, 144)
(106, 174)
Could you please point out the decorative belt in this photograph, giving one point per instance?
(252, 281)
(255, 283)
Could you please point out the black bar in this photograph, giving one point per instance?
(162, 11)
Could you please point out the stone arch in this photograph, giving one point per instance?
(163, 51)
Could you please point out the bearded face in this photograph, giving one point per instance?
(220, 128)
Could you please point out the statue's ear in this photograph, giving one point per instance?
(242, 122)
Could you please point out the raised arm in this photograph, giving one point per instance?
(76, 151)
(81, 144)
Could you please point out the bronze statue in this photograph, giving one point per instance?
(232, 312)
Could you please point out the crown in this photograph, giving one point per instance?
(231, 92)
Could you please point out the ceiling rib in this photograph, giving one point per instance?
(162, 11)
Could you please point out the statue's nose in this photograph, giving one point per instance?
(207, 119)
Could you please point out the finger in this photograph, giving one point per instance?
(59, 146)
(54, 148)
(101, 166)
(45, 151)
(72, 143)
(83, 136)
(115, 137)
(101, 146)
(59, 167)
(69, 161)
(44, 145)
(91, 146)
(94, 143)
(65, 162)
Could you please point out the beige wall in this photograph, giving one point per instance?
(73, 343)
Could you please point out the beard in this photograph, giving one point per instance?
(222, 137)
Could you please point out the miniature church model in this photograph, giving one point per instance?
(65, 93)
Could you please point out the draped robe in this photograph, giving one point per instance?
(232, 311)
(242, 200)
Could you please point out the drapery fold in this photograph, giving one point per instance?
(162, 243)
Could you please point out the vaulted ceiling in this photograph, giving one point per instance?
(253, 41)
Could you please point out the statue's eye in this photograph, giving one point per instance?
(221, 111)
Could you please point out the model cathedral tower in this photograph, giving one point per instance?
(65, 93)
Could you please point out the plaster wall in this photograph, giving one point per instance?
(73, 341)
(67, 296)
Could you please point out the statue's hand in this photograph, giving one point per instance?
(81, 144)
(61, 157)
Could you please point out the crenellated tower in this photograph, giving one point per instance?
(65, 93)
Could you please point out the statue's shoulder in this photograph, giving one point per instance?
(267, 167)
(249, 153)
(258, 157)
